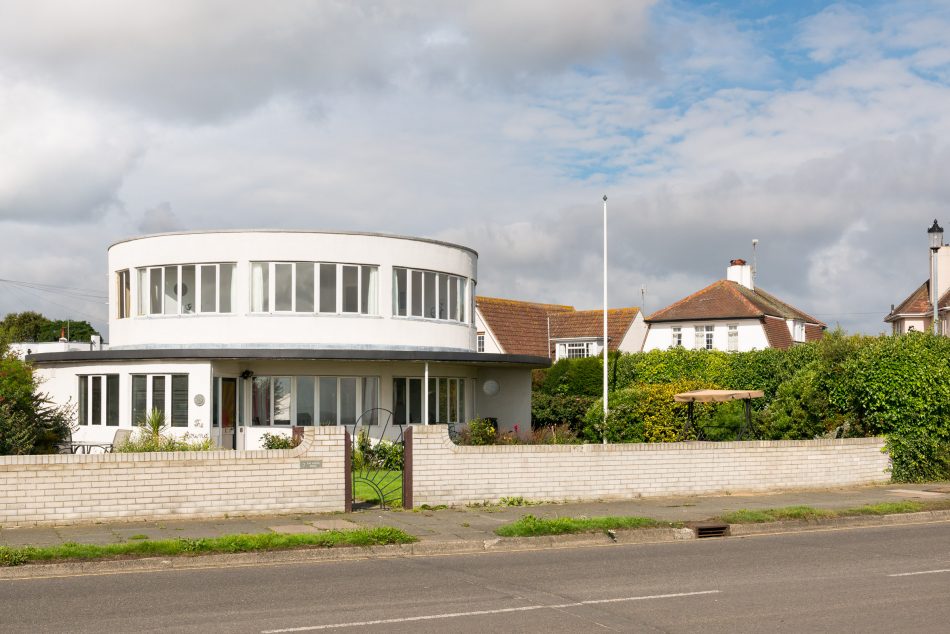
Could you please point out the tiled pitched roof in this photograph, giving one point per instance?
(777, 333)
(813, 332)
(520, 327)
(729, 300)
(918, 303)
(590, 323)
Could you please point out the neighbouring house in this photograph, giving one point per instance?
(233, 334)
(917, 311)
(22, 349)
(731, 315)
(554, 330)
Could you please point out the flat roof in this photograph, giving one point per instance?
(332, 233)
(291, 354)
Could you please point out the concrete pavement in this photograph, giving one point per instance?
(471, 523)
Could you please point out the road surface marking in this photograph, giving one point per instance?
(922, 572)
(454, 615)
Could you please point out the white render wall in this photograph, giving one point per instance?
(491, 344)
(512, 404)
(62, 383)
(635, 336)
(242, 328)
(444, 473)
(60, 489)
(751, 334)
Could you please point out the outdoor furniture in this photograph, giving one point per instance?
(88, 447)
(720, 396)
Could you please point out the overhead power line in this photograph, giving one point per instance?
(52, 289)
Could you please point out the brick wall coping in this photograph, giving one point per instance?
(311, 437)
(440, 433)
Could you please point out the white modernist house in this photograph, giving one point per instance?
(233, 334)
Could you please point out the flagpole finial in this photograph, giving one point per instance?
(605, 197)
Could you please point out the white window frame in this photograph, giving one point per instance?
(480, 342)
(676, 337)
(360, 398)
(704, 337)
(732, 338)
(149, 391)
(576, 349)
(85, 402)
(338, 290)
(462, 308)
(142, 292)
(798, 331)
(461, 400)
(123, 287)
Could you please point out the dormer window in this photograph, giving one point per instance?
(798, 331)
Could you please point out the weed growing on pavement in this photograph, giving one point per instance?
(227, 544)
(531, 526)
(745, 516)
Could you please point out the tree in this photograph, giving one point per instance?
(29, 421)
(35, 327)
(25, 326)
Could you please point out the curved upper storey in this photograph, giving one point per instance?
(291, 289)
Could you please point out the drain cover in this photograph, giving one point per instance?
(710, 529)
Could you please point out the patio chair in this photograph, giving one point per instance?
(120, 438)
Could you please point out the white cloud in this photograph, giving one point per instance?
(61, 160)
(498, 125)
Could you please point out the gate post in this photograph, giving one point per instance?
(347, 472)
(407, 468)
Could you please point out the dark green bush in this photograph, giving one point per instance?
(558, 409)
(575, 377)
(29, 422)
(278, 441)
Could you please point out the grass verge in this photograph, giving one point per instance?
(745, 516)
(212, 545)
(531, 526)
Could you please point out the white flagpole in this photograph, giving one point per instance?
(605, 320)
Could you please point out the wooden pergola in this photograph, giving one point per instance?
(720, 396)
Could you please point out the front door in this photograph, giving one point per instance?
(228, 413)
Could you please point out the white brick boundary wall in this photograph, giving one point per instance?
(443, 473)
(58, 489)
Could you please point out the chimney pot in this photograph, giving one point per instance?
(737, 262)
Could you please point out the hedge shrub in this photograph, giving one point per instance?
(643, 413)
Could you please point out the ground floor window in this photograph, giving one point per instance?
(446, 400)
(98, 401)
(309, 400)
(167, 393)
(704, 338)
(407, 401)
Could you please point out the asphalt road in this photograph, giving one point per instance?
(861, 580)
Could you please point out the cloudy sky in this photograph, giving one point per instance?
(821, 129)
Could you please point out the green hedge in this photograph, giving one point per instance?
(844, 385)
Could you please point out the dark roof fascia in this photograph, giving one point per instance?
(289, 354)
